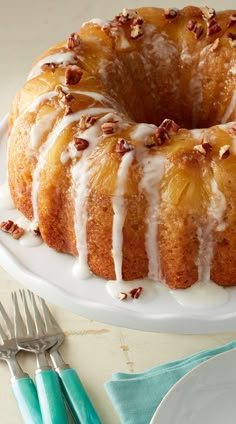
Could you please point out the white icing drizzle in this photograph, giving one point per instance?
(6, 201)
(197, 133)
(33, 106)
(230, 109)
(153, 171)
(119, 209)
(215, 214)
(97, 21)
(80, 176)
(143, 131)
(64, 58)
(96, 96)
(66, 120)
(217, 206)
(41, 127)
(201, 295)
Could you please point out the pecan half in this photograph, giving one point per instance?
(73, 75)
(73, 41)
(136, 292)
(80, 143)
(224, 151)
(12, 228)
(123, 146)
(170, 13)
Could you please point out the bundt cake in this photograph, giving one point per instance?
(122, 146)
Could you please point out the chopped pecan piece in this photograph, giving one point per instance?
(73, 75)
(232, 130)
(86, 121)
(213, 27)
(126, 15)
(123, 146)
(170, 13)
(170, 126)
(35, 230)
(232, 39)
(136, 31)
(73, 41)
(161, 136)
(200, 149)
(207, 13)
(196, 28)
(108, 127)
(123, 296)
(66, 99)
(12, 228)
(232, 20)
(48, 67)
(80, 143)
(136, 292)
(204, 148)
(224, 151)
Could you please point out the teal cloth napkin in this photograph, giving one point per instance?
(136, 396)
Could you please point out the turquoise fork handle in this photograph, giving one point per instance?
(50, 397)
(26, 396)
(78, 401)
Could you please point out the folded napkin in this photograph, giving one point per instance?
(136, 396)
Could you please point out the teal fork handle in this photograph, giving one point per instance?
(50, 397)
(77, 399)
(26, 396)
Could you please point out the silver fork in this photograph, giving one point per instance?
(74, 392)
(22, 385)
(31, 336)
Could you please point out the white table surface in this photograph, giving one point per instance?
(94, 349)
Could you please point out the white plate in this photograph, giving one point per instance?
(49, 274)
(205, 395)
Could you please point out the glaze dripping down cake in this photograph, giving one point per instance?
(122, 146)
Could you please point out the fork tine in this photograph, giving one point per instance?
(20, 328)
(29, 322)
(39, 323)
(7, 321)
(50, 322)
(2, 335)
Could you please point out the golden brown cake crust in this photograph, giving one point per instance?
(134, 200)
